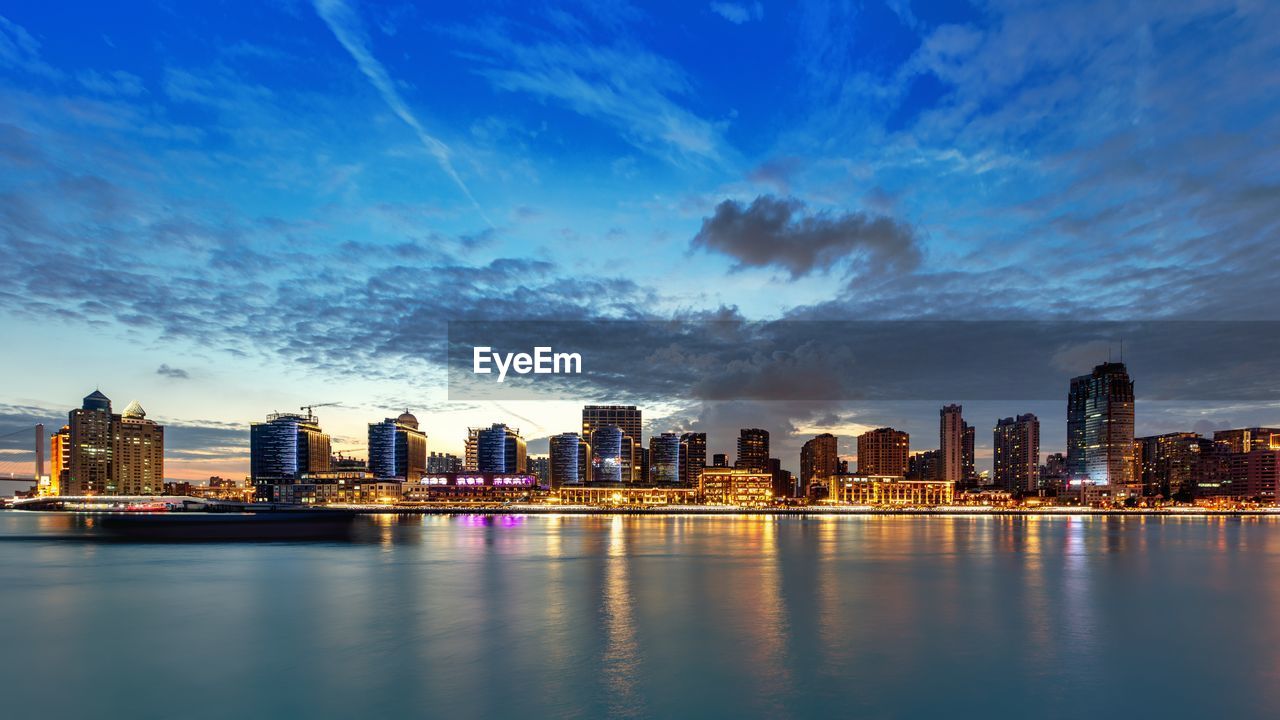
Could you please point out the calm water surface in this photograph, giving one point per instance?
(592, 616)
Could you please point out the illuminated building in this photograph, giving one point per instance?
(1053, 474)
(664, 454)
(753, 450)
(469, 486)
(1167, 464)
(397, 448)
(890, 490)
(1248, 439)
(1016, 454)
(626, 418)
(693, 455)
(819, 459)
(285, 447)
(90, 466)
(624, 495)
(925, 465)
(606, 455)
(719, 460)
(738, 487)
(883, 451)
(950, 443)
(137, 452)
(968, 476)
(1100, 428)
(59, 459)
(570, 460)
(784, 483)
(500, 449)
(539, 466)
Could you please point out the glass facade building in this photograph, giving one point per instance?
(1100, 447)
(664, 458)
(606, 455)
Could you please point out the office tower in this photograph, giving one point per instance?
(286, 446)
(471, 461)
(1167, 464)
(783, 480)
(59, 460)
(951, 443)
(570, 460)
(500, 449)
(137, 452)
(753, 450)
(443, 463)
(89, 469)
(1248, 439)
(397, 448)
(626, 418)
(606, 454)
(883, 451)
(1100, 427)
(664, 454)
(540, 467)
(693, 456)
(720, 460)
(818, 460)
(1016, 454)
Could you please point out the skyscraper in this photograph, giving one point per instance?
(500, 449)
(1100, 427)
(137, 452)
(397, 448)
(626, 418)
(89, 469)
(818, 460)
(1167, 464)
(59, 460)
(693, 454)
(883, 451)
(664, 457)
(606, 454)
(570, 460)
(753, 450)
(968, 473)
(286, 446)
(951, 442)
(1016, 464)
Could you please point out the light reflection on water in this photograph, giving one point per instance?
(591, 616)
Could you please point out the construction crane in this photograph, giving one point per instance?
(310, 408)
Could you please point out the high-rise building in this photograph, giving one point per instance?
(626, 418)
(819, 460)
(286, 446)
(968, 473)
(951, 443)
(443, 463)
(665, 459)
(89, 469)
(397, 448)
(500, 449)
(1167, 464)
(753, 450)
(783, 481)
(570, 460)
(1016, 453)
(720, 460)
(693, 454)
(1100, 427)
(1053, 474)
(606, 454)
(137, 452)
(883, 451)
(540, 468)
(59, 460)
(925, 465)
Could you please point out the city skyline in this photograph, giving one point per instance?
(282, 205)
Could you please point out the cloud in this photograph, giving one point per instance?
(117, 82)
(350, 32)
(172, 372)
(20, 51)
(738, 13)
(781, 232)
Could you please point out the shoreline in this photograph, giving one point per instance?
(804, 512)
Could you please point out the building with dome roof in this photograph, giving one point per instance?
(397, 448)
(138, 452)
(100, 453)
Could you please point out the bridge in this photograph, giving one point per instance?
(19, 463)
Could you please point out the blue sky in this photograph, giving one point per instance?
(285, 201)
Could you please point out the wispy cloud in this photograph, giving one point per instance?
(738, 13)
(174, 373)
(345, 23)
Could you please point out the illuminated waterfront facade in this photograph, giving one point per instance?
(664, 458)
(736, 486)
(629, 420)
(570, 460)
(624, 495)
(500, 449)
(883, 490)
(883, 451)
(397, 448)
(469, 486)
(606, 455)
(59, 460)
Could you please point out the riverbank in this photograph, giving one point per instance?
(829, 511)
